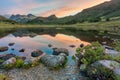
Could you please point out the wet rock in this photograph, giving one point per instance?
(10, 61)
(81, 45)
(53, 60)
(11, 44)
(3, 48)
(12, 49)
(6, 56)
(72, 46)
(36, 53)
(22, 50)
(49, 45)
(54, 48)
(60, 50)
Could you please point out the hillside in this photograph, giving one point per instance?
(106, 10)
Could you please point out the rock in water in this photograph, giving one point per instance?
(53, 60)
(7, 56)
(22, 50)
(60, 50)
(36, 53)
(3, 48)
(11, 44)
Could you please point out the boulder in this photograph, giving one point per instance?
(81, 45)
(22, 50)
(49, 45)
(110, 64)
(36, 53)
(53, 60)
(11, 44)
(60, 50)
(3, 48)
(6, 56)
(72, 46)
(10, 61)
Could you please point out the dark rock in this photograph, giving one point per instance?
(60, 50)
(22, 50)
(3, 48)
(13, 49)
(81, 45)
(6, 56)
(11, 44)
(36, 53)
(54, 48)
(72, 46)
(49, 45)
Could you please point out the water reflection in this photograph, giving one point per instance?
(40, 42)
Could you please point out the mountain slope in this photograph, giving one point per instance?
(22, 18)
(101, 10)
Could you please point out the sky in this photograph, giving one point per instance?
(46, 8)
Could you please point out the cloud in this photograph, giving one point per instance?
(48, 7)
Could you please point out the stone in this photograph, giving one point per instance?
(22, 50)
(11, 44)
(81, 45)
(7, 56)
(53, 60)
(3, 48)
(10, 61)
(36, 53)
(110, 64)
(49, 45)
(72, 46)
(60, 50)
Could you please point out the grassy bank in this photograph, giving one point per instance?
(112, 27)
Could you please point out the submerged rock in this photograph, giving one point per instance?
(72, 46)
(3, 48)
(11, 44)
(22, 50)
(53, 60)
(49, 45)
(6, 56)
(36, 53)
(57, 51)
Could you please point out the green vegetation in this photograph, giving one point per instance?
(100, 72)
(92, 53)
(19, 63)
(117, 45)
(3, 77)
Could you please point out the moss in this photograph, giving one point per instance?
(9, 66)
(3, 77)
(19, 63)
(26, 66)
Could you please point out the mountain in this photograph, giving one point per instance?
(22, 18)
(43, 20)
(106, 10)
(2, 18)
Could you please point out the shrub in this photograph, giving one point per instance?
(19, 63)
(117, 45)
(26, 66)
(8, 66)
